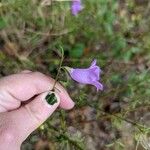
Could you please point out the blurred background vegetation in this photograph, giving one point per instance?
(117, 34)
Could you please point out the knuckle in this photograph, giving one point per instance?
(26, 71)
(38, 74)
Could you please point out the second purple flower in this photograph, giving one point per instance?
(76, 7)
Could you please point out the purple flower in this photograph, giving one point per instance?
(90, 75)
(76, 7)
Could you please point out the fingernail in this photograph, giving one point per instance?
(51, 98)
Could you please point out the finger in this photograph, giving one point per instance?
(8, 101)
(22, 87)
(29, 117)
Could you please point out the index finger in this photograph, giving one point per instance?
(24, 86)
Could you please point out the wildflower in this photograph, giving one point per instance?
(76, 7)
(90, 75)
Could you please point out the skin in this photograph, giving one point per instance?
(23, 107)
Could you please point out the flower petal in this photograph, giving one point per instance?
(98, 85)
(95, 73)
(81, 75)
(93, 63)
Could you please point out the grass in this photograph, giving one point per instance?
(116, 33)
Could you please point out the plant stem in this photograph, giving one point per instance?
(124, 119)
(73, 142)
(59, 69)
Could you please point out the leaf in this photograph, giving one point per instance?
(2, 23)
(77, 51)
(2, 55)
(120, 144)
(110, 145)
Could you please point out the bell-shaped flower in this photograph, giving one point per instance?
(89, 75)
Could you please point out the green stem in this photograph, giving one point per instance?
(138, 126)
(59, 69)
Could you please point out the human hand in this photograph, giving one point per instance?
(17, 120)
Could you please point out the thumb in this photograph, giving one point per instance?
(29, 117)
